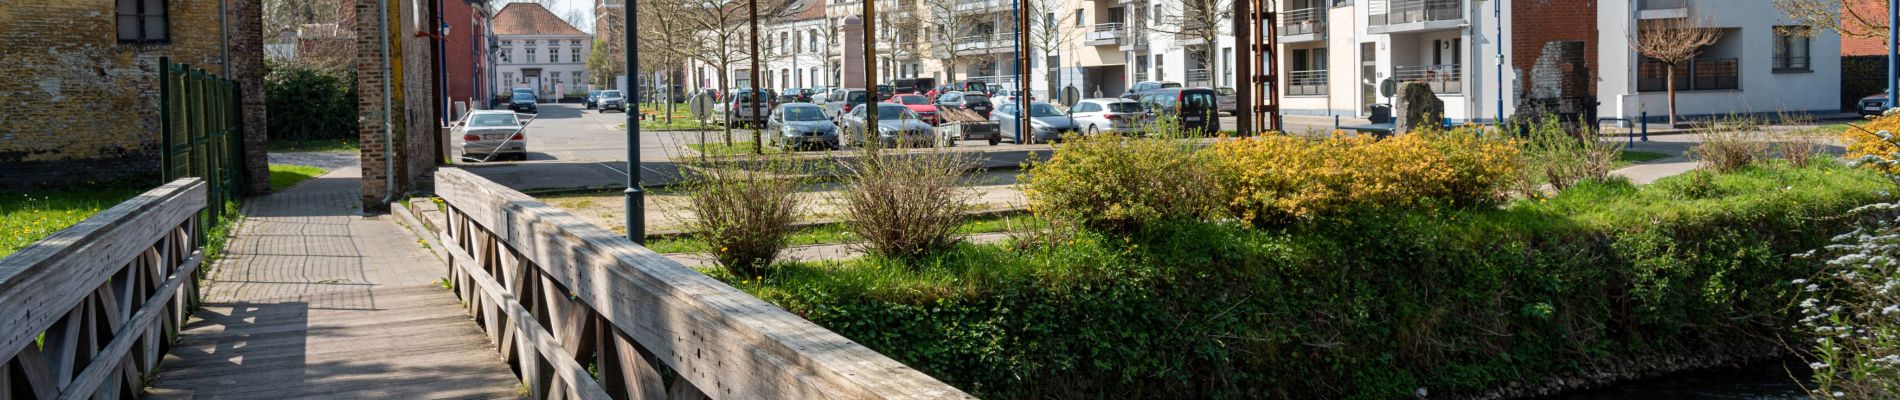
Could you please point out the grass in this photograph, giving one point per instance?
(28, 216)
(322, 145)
(833, 233)
(284, 176)
(719, 149)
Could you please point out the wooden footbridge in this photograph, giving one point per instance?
(312, 300)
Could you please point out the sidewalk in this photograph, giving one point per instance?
(314, 300)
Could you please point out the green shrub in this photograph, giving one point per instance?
(1278, 180)
(905, 205)
(308, 103)
(1114, 183)
(1602, 276)
(743, 211)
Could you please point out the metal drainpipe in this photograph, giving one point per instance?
(224, 38)
(389, 155)
(1497, 15)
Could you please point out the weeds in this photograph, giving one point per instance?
(1730, 143)
(1561, 158)
(905, 205)
(744, 210)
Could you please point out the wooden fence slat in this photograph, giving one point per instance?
(725, 342)
(533, 335)
(39, 380)
(90, 380)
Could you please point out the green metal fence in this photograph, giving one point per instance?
(199, 118)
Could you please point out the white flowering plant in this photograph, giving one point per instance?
(1851, 309)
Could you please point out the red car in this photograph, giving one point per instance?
(919, 104)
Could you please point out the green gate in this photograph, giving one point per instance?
(200, 120)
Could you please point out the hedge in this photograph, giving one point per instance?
(308, 103)
(1604, 279)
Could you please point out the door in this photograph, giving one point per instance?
(1005, 117)
(1368, 77)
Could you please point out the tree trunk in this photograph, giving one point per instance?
(725, 91)
(1670, 80)
(669, 99)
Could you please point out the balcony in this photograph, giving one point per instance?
(1306, 83)
(1401, 16)
(987, 44)
(1663, 9)
(1141, 76)
(1200, 78)
(1303, 25)
(1443, 78)
(1108, 34)
(1698, 74)
(1134, 40)
(982, 5)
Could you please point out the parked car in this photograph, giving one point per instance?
(978, 102)
(1108, 115)
(885, 92)
(590, 101)
(896, 125)
(971, 86)
(1009, 96)
(918, 104)
(1046, 123)
(738, 108)
(802, 125)
(1134, 92)
(1196, 109)
(611, 99)
(1229, 101)
(842, 101)
(493, 135)
(523, 100)
(1873, 104)
(789, 95)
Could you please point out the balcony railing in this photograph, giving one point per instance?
(1306, 83)
(1443, 78)
(1700, 74)
(1141, 76)
(1106, 34)
(986, 42)
(1664, 4)
(1303, 21)
(1200, 77)
(1390, 12)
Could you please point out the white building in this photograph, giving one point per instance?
(539, 50)
(1756, 67)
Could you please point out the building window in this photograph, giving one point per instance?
(1791, 49)
(575, 42)
(1698, 74)
(813, 38)
(573, 54)
(1079, 21)
(507, 78)
(782, 41)
(143, 21)
(531, 55)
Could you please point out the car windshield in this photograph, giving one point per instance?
(1198, 100)
(610, 93)
(856, 96)
(889, 111)
(1043, 110)
(803, 113)
(490, 120)
(912, 100)
(1166, 85)
(1124, 107)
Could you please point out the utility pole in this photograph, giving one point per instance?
(636, 198)
(870, 74)
(1022, 70)
(1243, 68)
(758, 91)
(1893, 51)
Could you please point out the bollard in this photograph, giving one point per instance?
(1645, 122)
(1335, 122)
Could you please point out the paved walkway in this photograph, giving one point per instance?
(317, 301)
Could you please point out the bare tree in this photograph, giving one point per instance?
(665, 44)
(1673, 41)
(1851, 18)
(321, 31)
(720, 34)
(900, 26)
(1047, 36)
(1197, 21)
(945, 26)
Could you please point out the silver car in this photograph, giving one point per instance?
(1046, 123)
(799, 125)
(493, 135)
(1108, 115)
(896, 125)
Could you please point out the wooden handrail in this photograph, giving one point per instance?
(89, 311)
(596, 293)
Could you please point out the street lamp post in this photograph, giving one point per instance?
(636, 198)
(1893, 51)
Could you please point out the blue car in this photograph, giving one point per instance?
(523, 101)
(593, 97)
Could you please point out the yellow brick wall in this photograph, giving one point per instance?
(73, 92)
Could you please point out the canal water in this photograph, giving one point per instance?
(1761, 381)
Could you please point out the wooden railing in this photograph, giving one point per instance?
(89, 311)
(558, 295)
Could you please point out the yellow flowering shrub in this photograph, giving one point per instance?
(1279, 179)
(1864, 142)
(1116, 183)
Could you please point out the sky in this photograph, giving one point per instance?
(564, 7)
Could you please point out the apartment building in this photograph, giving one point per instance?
(1761, 64)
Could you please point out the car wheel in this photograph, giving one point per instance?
(1093, 130)
(996, 140)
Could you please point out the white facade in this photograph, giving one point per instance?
(554, 65)
(1765, 80)
(1335, 55)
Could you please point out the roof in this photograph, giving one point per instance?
(531, 19)
(805, 10)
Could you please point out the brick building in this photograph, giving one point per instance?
(467, 61)
(83, 98)
(401, 129)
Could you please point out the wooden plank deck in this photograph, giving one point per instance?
(315, 301)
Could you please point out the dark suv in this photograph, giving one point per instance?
(1197, 110)
(523, 101)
